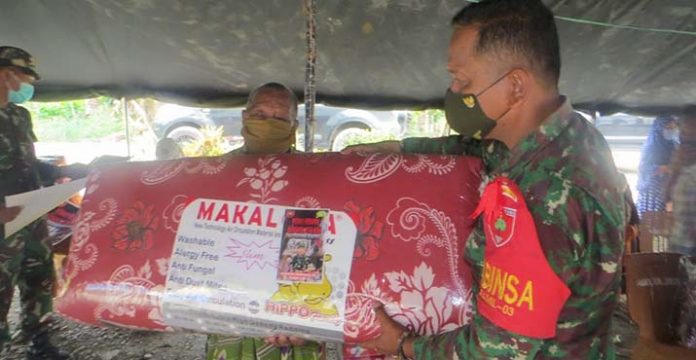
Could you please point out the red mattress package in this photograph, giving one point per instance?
(255, 245)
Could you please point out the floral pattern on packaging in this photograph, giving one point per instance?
(411, 215)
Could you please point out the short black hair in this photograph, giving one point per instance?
(524, 29)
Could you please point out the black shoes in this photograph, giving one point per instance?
(42, 349)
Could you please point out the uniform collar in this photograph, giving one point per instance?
(546, 133)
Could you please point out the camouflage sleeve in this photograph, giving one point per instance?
(9, 152)
(442, 346)
(583, 242)
(48, 173)
(448, 145)
(7, 161)
(28, 124)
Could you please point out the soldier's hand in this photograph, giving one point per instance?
(8, 214)
(388, 341)
(74, 171)
(389, 146)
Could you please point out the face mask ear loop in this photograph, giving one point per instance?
(493, 84)
(490, 86)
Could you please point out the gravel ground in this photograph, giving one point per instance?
(92, 343)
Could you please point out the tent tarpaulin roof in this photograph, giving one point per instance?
(372, 53)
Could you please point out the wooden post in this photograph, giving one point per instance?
(310, 10)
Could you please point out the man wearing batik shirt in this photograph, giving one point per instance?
(547, 249)
(683, 239)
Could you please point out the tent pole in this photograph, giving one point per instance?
(310, 10)
(125, 117)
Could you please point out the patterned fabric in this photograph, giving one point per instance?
(245, 348)
(25, 257)
(576, 196)
(657, 151)
(683, 239)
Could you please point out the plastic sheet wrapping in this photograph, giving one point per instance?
(61, 219)
(198, 243)
(686, 323)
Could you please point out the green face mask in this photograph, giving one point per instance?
(465, 115)
(268, 136)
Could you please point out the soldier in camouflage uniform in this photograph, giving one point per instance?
(504, 101)
(25, 257)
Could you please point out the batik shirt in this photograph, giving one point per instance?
(566, 173)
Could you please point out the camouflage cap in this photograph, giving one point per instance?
(12, 56)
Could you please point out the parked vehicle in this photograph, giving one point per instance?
(334, 125)
(624, 130)
(625, 134)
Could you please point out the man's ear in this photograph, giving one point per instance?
(245, 114)
(519, 80)
(295, 122)
(9, 79)
(3, 77)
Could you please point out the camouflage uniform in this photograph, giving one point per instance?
(575, 195)
(25, 257)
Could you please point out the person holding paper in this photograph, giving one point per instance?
(269, 124)
(25, 257)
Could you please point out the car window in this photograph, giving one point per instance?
(625, 127)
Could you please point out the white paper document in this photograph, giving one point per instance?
(39, 202)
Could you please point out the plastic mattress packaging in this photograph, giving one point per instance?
(299, 244)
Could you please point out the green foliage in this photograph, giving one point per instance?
(367, 137)
(57, 110)
(212, 144)
(79, 120)
(430, 123)
(96, 118)
(78, 129)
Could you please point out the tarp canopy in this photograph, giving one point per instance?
(638, 55)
